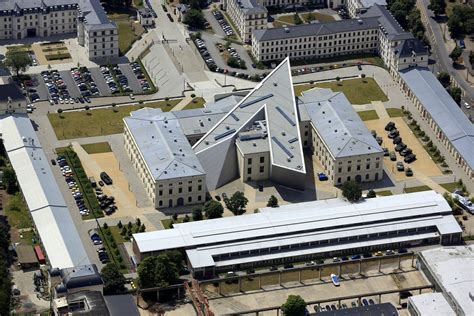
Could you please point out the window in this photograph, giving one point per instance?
(249, 170)
(180, 190)
(160, 203)
(160, 193)
(199, 198)
(262, 169)
(199, 187)
(349, 169)
(249, 161)
(262, 159)
(190, 199)
(170, 191)
(367, 166)
(190, 189)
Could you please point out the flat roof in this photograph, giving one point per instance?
(298, 223)
(26, 254)
(337, 123)
(48, 209)
(452, 267)
(271, 100)
(429, 304)
(316, 29)
(454, 124)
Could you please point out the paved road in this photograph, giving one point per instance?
(437, 42)
(41, 87)
(216, 27)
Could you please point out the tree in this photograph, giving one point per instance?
(87, 108)
(297, 19)
(233, 62)
(123, 232)
(175, 256)
(194, 18)
(114, 105)
(60, 112)
(456, 53)
(166, 271)
(363, 77)
(456, 94)
(338, 79)
(445, 79)
(119, 224)
(146, 272)
(213, 209)
(351, 191)
(142, 228)
(310, 17)
(197, 214)
(437, 6)
(129, 225)
(237, 203)
(371, 194)
(9, 179)
(294, 306)
(18, 61)
(272, 201)
(114, 281)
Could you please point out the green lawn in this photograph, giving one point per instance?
(357, 91)
(98, 121)
(318, 16)
(127, 33)
(384, 193)
(451, 186)
(167, 222)
(196, 103)
(286, 19)
(417, 189)
(394, 112)
(97, 148)
(17, 212)
(119, 239)
(368, 115)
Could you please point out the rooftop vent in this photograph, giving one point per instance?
(287, 30)
(360, 21)
(206, 142)
(254, 144)
(283, 133)
(335, 131)
(275, 83)
(288, 159)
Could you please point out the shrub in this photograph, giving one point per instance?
(217, 197)
(193, 95)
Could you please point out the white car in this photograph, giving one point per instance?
(335, 279)
(467, 105)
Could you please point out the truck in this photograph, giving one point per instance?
(92, 181)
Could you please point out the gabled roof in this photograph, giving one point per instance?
(162, 144)
(410, 47)
(316, 29)
(271, 100)
(443, 110)
(94, 15)
(335, 120)
(389, 26)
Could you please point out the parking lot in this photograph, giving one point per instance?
(79, 84)
(423, 163)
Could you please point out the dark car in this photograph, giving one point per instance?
(365, 302)
(410, 158)
(367, 255)
(355, 257)
(385, 151)
(406, 152)
(273, 268)
(409, 172)
(106, 178)
(53, 162)
(333, 307)
(394, 133)
(101, 183)
(400, 147)
(371, 302)
(393, 156)
(379, 140)
(389, 126)
(402, 250)
(397, 140)
(288, 266)
(344, 258)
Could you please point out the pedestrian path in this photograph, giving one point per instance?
(381, 112)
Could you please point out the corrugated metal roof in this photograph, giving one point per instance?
(47, 206)
(443, 110)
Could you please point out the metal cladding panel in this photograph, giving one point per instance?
(288, 177)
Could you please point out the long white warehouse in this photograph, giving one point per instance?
(306, 231)
(48, 209)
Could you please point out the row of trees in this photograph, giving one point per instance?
(461, 21)
(445, 80)
(5, 261)
(408, 16)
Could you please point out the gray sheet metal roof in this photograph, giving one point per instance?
(298, 223)
(443, 110)
(273, 98)
(8, 5)
(316, 29)
(163, 144)
(251, 7)
(81, 276)
(389, 26)
(369, 3)
(12, 91)
(45, 201)
(338, 124)
(94, 15)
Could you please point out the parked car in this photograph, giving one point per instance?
(393, 156)
(385, 151)
(410, 158)
(335, 279)
(408, 172)
(400, 166)
(389, 126)
(400, 147)
(393, 133)
(397, 140)
(106, 178)
(322, 176)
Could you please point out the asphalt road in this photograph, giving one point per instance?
(439, 49)
(40, 87)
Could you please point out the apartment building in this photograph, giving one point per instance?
(319, 40)
(338, 138)
(247, 15)
(96, 32)
(23, 18)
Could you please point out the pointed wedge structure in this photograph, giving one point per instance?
(259, 138)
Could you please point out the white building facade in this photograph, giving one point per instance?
(247, 15)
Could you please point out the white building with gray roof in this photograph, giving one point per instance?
(306, 231)
(443, 115)
(247, 15)
(338, 138)
(96, 32)
(161, 153)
